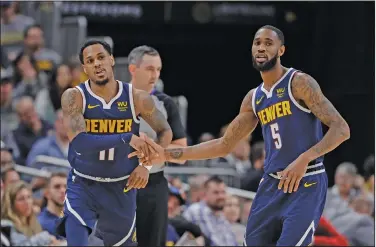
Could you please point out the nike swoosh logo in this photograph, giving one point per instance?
(306, 185)
(258, 101)
(92, 106)
(126, 190)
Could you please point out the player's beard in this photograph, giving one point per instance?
(266, 66)
(102, 82)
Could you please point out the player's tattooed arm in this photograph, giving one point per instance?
(244, 123)
(71, 104)
(308, 91)
(145, 106)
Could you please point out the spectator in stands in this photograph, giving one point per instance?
(48, 101)
(175, 201)
(196, 188)
(55, 195)
(78, 75)
(178, 222)
(251, 179)
(357, 228)
(55, 145)
(327, 235)
(232, 214)
(6, 155)
(8, 113)
(29, 81)
(31, 127)
(208, 214)
(362, 205)
(171, 236)
(18, 211)
(345, 176)
(9, 176)
(46, 58)
(12, 28)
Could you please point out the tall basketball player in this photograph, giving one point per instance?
(101, 115)
(289, 106)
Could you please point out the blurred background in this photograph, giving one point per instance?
(206, 53)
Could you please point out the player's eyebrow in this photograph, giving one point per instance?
(100, 53)
(267, 39)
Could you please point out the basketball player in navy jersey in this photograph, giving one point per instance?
(101, 115)
(289, 106)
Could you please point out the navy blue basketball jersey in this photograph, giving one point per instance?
(288, 128)
(115, 117)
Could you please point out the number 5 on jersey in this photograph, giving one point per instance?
(110, 156)
(276, 136)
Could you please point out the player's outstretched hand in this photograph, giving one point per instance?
(291, 176)
(139, 178)
(156, 157)
(144, 150)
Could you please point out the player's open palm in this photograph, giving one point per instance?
(138, 178)
(291, 176)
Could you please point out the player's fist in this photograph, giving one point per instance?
(138, 178)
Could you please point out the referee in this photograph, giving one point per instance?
(151, 222)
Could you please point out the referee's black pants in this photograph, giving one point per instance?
(152, 214)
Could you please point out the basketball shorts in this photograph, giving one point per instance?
(114, 208)
(285, 219)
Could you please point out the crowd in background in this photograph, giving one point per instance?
(32, 80)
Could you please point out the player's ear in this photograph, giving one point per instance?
(281, 50)
(84, 69)
(112, 60)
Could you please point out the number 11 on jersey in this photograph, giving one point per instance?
(111, 154)
(276, 136)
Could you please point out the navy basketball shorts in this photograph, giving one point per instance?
(285, 219)
(114, 208)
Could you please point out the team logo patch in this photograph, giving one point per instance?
(280, 92)
(122, 105)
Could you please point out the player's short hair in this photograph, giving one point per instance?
(213, 179)
(136, 55)
(279, 33)
(27, 29)
(88, 43)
